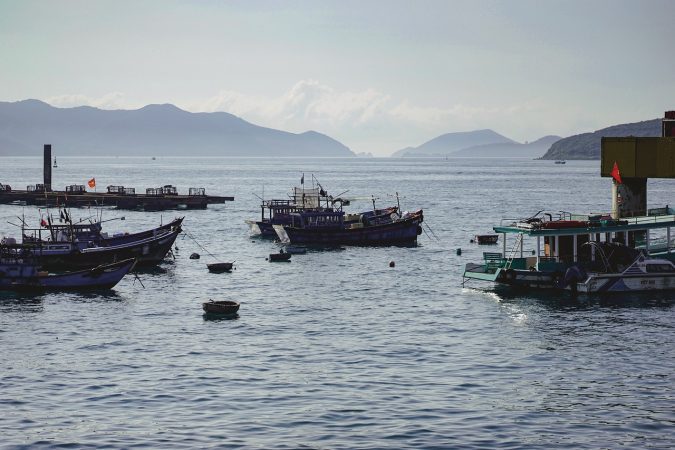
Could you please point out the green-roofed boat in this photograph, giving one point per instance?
(583, 253)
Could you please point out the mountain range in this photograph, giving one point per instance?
(479, 143)
(152, 130)
(587, 145)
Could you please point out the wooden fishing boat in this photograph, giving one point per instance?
(279, 212)
(486, 239)
(330, 228)
(89, 234)
(18, 275)
(281, 256)
(69, 255)
(220, 267)
(221, 307)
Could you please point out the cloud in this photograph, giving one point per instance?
(308, 103)
(112, 100)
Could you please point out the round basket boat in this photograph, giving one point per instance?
(219, 267)
(221, 307)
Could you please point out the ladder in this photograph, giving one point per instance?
(514, 249)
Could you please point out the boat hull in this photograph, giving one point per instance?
(402, 232)
(599, 283)
(148, 252)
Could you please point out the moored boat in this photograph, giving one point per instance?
(69, 255)
(486, 239)
(583, 255)
(278, 257)
(19, 275)
(89, 234)
(331, 228)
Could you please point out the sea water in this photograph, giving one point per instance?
(335, 349)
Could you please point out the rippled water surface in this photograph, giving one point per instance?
(335, 349)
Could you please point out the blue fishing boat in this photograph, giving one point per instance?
(17, 274)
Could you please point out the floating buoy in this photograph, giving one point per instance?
(392, 264)
(459, 251)
(471, 241)
(194, 256)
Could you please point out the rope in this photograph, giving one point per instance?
(432, 231)
(199, 245)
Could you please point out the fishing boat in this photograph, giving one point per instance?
(89, 233)
(278, 257)
(60, 255)
(560, 161)
(302, 199)
(335, 228)
(583, 253)
(18, 274)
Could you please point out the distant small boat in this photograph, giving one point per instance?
(220, 307)
(560, 161)
(281, 256)
(220, 267)
(487, 239)
(55, 166)
(153, 158)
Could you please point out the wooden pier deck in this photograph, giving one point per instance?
(122, 201)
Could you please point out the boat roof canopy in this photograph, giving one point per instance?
(627, 224)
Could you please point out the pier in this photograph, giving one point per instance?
(636, 160)
(154, 199)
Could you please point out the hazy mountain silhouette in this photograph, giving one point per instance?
(509, 149)
(451, 142)
(587, 145)
(152, 130)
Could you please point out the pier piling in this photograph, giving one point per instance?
(48, 168)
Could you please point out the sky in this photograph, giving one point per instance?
(377, 76)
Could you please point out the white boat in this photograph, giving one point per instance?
(644, 274)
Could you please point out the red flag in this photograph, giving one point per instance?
(92, 182)
(616, 174)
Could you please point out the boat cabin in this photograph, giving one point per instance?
(572, 238)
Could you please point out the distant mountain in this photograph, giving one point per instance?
(509, 149)
(587, 145)
(152, 130)
(451, 142)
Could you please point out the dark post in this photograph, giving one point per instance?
(48, 167)
(668, 124)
